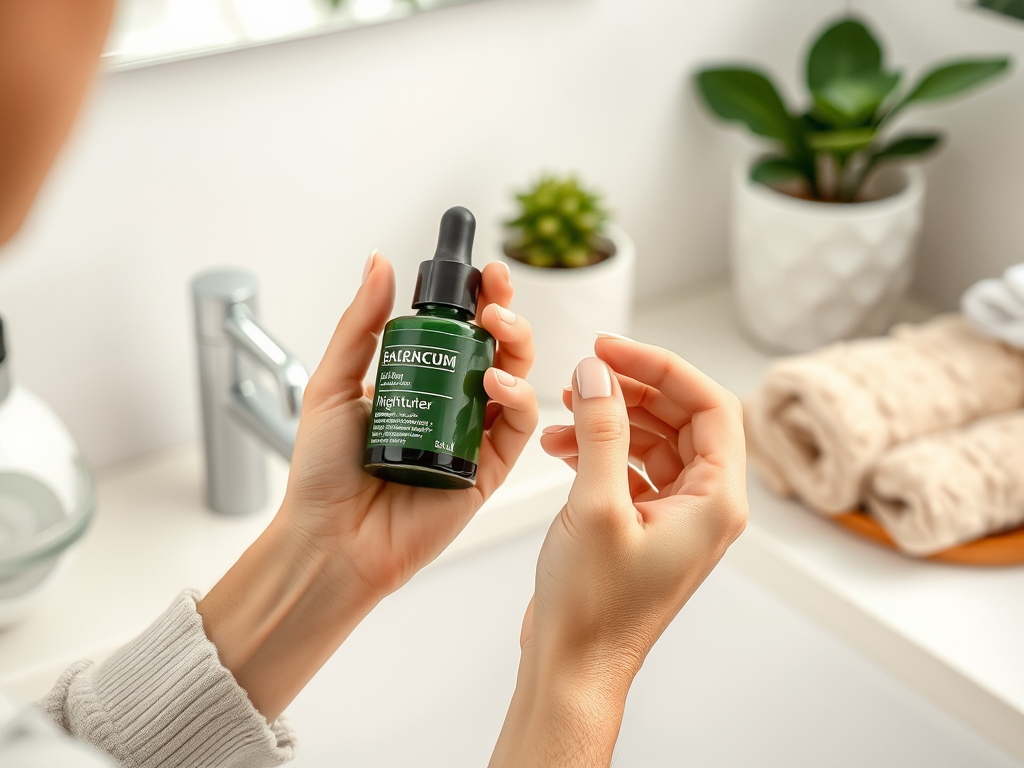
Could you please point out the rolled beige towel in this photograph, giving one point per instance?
(821, 421)
(951, 487)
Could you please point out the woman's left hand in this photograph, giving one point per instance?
(386, 531)
(344, 539)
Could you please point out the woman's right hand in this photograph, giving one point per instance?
(624, 554)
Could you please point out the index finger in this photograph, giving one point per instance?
(515, 350)
(714, 412)
(495, 286)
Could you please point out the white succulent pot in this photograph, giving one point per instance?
(567, 307)
(806, 273)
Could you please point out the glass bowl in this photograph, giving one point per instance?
(36, 531)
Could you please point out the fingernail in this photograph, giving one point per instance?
(554, 429)
(368, 268)
(504, 378)
(610, 335)
(506, 316)
(508, 272)
(593, 379)
(556, 454)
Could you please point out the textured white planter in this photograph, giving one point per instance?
(568, 306)
(806, 273)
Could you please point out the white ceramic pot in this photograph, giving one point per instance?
(567, 307)
(806, 273)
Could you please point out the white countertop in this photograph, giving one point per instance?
(118, 581)
(954, 634)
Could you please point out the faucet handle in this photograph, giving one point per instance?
(249, 335)
(214, 293)
(238, 411)
(225, 307)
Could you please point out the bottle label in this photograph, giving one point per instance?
(430, 392)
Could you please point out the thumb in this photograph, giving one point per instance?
(602, 434)
(354, 344)
(527, 629)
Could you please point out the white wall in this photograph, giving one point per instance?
(297, 159)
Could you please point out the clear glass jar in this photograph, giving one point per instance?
(47, 498)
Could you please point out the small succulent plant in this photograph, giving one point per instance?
(829, 148)
(559, 225)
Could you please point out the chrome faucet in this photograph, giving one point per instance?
(239, 410)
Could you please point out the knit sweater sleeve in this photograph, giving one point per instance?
(165, 700)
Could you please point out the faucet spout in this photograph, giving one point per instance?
(241, 414)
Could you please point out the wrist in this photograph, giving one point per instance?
(563, 713)
(568, 679)
(591, 655)
(345, 584)
(279, 614)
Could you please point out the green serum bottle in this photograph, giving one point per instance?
(427, 415)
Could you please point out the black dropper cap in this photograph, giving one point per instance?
(3, 346)
(450, 279)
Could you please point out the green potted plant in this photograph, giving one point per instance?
(823, 226)
(573, 272)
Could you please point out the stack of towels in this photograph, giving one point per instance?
(924, 428)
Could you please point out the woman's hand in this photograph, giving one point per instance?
(383, 531)
(344, 539)
(658, 498)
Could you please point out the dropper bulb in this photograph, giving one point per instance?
(455, 239)
(450, 279)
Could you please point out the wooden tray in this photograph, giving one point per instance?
(999, 549)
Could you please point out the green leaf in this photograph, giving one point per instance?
(777, 170)
(906, 146)
(1012, 8)
(848, 102)
(846, 49)
(809, 122)
(843, 142)
(747, 96)
(901, 147)
(953, 79)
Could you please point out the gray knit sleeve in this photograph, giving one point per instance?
(165, 700)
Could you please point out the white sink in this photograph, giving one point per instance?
(740, 679)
